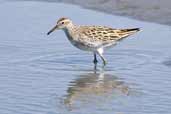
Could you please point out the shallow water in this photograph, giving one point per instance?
(47, 75)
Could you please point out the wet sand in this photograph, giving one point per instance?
(158, 11)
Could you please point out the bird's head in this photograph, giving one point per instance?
(62, 23)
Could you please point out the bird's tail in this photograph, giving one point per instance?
(127, 32)
(131, 30)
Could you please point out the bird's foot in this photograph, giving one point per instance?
(95, 61)
(104, 63)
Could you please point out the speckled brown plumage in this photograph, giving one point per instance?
(105, 34)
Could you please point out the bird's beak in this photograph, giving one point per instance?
(54, 28)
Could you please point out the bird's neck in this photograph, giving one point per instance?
(70, 27)
(69, 31)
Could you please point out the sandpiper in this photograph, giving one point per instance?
(92, 38)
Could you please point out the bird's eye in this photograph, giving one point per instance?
(62, 22)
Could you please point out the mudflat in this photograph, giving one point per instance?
(158, 11)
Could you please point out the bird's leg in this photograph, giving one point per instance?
(95, 59)
(95, 62)
(100, 53)
(95, 68)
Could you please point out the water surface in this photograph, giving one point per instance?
(47, 75)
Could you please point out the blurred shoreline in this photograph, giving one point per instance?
(157, 11)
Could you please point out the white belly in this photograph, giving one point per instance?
(84, 46)
(81, 44)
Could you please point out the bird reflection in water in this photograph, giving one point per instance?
(95, 87)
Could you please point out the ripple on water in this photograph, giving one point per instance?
(120, 59)
(130, 59)
(103, 89)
